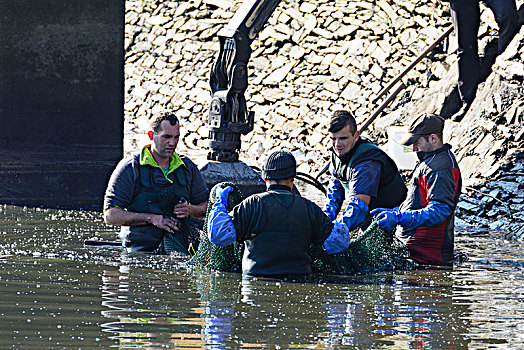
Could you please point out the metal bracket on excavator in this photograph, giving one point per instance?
(228, 114)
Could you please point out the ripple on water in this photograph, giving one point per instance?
(57, 293)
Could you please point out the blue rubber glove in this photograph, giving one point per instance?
(338, 240)
(335, 195)
(220, 228)
(355, 213)
(387, 219)
(377, 211)
(222, 193)
(432, 214)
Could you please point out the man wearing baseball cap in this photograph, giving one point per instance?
(425, 219)
(277, 227)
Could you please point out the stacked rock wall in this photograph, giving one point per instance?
(489, 144)
(310, 59)
(317, 56)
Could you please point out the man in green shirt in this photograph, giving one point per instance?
(150, 192)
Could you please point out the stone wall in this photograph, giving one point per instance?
(311, 58)
(492, 132)
(317, 56)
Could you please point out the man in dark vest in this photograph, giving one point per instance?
(361, 171)
(150, 192)
(277, 227)
(426, 218)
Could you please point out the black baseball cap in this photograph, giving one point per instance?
(425, 124)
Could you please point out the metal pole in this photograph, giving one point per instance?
(380, 108)
(413, 64)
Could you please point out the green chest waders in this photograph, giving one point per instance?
(390, 193)
(156, 198)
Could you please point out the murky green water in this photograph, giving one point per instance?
(56, 293)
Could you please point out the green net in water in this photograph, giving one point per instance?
(188, 234)
(371, 248)
(229, 258)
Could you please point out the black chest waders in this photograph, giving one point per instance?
(281, 246)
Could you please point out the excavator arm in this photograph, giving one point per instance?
(228, 114)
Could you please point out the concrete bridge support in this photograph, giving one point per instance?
(61, 100)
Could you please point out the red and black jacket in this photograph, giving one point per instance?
(436, 178)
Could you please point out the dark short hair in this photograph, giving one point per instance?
(159, 117)
(340, 119)
(439, 135)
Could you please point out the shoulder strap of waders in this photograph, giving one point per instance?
(362, 148)
(144, 173)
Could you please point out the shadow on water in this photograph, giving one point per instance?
(56, 293)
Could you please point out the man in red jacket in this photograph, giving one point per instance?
(426, 217)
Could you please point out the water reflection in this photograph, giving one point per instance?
(396, 310)
(245, 312)
(219, 294)
(56, 293)
(342, 316)
(151, 308)
(273, 313)
(218, 320)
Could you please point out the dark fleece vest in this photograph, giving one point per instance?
(391, 188)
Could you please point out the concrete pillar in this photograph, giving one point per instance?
(61, 100)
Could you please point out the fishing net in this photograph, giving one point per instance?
(185, 240)
(371, 249)
(229, 258)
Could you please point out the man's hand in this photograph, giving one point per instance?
(386, 219)
(185, 210)
(164, 223)
(182, 210)
(381, 210)
(121, 217)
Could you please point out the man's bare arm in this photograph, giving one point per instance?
(363, 197)
(184, 210)
(199, 210)
(121, 217)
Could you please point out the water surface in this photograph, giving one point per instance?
(56, 293)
